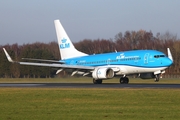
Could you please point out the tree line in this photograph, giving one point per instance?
(130, 40)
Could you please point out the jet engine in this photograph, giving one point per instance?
(103, 73)
(147, 75)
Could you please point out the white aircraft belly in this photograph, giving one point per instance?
(133, 69)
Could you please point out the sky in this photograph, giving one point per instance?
(32, 21)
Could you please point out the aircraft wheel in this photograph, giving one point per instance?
(157, 78)
(121, 80)
(97, 81)
(124, 80)
(94, 81)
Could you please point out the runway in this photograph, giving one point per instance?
(87, 85)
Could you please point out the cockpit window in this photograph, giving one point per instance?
(162, 55)
(157, 56)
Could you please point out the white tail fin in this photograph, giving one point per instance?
(169, 54)
(67, 49)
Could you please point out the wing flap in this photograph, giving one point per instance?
(57, 65)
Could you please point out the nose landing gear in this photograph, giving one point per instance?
(157, 77)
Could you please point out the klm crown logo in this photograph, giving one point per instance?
(64, 44)
(63, 40)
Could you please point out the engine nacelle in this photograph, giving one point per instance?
(147, 75)
(103, 73)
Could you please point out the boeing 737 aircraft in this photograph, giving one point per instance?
(145, 63)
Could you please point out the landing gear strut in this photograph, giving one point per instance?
(97, 81)
(124, 80)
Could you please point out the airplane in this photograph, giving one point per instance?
(147, 64)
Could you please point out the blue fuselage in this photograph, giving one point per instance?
(136, 58)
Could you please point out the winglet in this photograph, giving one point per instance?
(7, 55)
(169, 54)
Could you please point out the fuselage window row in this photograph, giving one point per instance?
(108, 61)
(126, 59)
(95, 62)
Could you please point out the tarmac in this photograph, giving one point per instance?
(88, 85)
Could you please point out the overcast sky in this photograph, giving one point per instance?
(29, 21)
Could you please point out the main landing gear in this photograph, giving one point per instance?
(124, 80)
(97, 81)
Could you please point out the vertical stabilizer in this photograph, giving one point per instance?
(67, 49)
(169, 54)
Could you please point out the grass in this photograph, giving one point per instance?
(86, 103)
(92, 104)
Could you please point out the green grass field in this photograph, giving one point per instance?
(88, 103)
(92, 104)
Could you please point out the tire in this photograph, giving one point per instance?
(94, 81)
(121, 80)
(124, 80)
(97, 81)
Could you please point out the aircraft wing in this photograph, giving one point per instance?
(43, 60)
(56, 64)
(85, 70)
